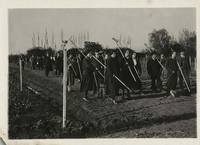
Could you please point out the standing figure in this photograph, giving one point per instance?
(87, 82)
(185, 66)
(106, 58)
(40, 63)
(97, 74)
(125, 73)
(137, 71)
(34, 62)
(111, 82)
(163, 63)
(172, 69)
(70, 72)
(31, 61)
(78, 66)
(154, 71)
(58, 64)
(162, 59)
(48, 64)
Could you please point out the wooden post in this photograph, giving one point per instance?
(64, 85)
(20, 74)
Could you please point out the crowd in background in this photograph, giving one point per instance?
(119, 73)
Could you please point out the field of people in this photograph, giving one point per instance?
(36, 112)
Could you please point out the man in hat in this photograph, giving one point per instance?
(162, 59)
(172, 69)
(185, 66)
(126, 74)
(78, 66)
(106, 58)
(48, 64)
(154, 71)
(97, 73)
(162, 62)
(87, 82)
(112, 69)
(137, 71)
(71, 72)
(58, 63)
(40, 63)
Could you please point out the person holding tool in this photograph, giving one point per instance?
(87, 82)
(125, 74)
(154, 71)
(185, 67)
(96, 73)
(71, 73)
(172, 69)
(111, 82)
(137, 71)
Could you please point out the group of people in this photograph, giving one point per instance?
(45, 62)
(112, 74)
(177, 67)
(104, 74)
(120, 73)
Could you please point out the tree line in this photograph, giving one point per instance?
(159, 41)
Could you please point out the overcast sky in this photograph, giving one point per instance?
(102, 24)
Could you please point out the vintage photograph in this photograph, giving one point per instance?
(102, 73)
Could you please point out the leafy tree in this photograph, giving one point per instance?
(159, 40)
(36, 51)
(39, 51)
(92, 46)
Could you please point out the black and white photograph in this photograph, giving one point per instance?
(102, 73)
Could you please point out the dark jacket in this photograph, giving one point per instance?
(48, 63)
(125, 72)
(172, 69)
(98, 69)
(111, 83)
(171, 66)
(153, 68)
(87, 82)
(185, 64)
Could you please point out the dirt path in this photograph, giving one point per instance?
(176, 129)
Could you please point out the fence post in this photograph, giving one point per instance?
(64, 84)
